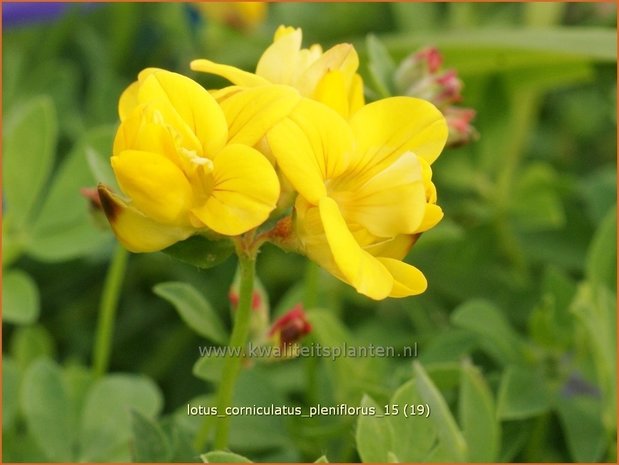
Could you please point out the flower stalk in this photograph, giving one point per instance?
(107, 311)
(240, 331)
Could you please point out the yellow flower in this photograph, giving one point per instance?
(365, 190)
(240, 15)
(330, 77)
(186, 163)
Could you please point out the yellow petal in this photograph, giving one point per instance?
(389, 127)
(389, 203)
(156, 186)
(396, 247)
(136, 232)
(311, 146)
(245, 191)
(252, 112)
(355, 96)
(432, 216)
(341, 57)
(363, 271)
(140, 132)
(232, 74)
(128, 101)
(188, 108)
(407, 280)
(282, 31)
(331, 90)
(279, 62)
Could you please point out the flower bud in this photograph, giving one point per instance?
(459, 123)
(290, 327)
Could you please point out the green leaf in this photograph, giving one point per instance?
(413, 436)
(28, 149)
(601, 267)
(495, 334)
(373, 434)
(194, 309)
(10, 392)
(20, 298)
(30, 343)
(599, 190)
(322, 459)
(101, 168)
(380, 66)
(106, 419)
(149, 442)
(210, 368)
(596, 310)
(447, 430)
(478, 416)
(77, 380)
(522, 394)
(201, 252)
(65, 228)
(536, 204)
(222, 456)
(45, 405)
(580, 417)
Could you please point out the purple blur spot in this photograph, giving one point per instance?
(22, 13)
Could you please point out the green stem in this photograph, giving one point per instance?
(107, 311)
(232, 366)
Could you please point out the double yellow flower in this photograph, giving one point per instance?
(190, 163)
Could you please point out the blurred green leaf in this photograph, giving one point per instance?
(448, 346)
(596, 310)
(77, 380)
(477, 416)
(580, 417)
(30, 343)
(149, 442)
(601, 267)
(29, 145)
(536, 204)
(65, 228)
(447, 430)
(194, 309)
(600, 191)
(209, 368)
(321, 459)
(412, 437)
(522, 394)
(515, 435)
(10, 392)
(100, 167)
(106, 419)
(20, 298)
(222, 456)
(496, 336)
(380, 66)
(201, 252)
(373, 435)
(551, 324)
(45, 405)
(258, 433)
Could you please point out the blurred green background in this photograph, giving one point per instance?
(516, 333)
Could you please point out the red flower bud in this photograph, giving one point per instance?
(431, 57)
(291, 326)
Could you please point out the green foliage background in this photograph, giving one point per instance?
(516, 334)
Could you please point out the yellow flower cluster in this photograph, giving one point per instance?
(193, 162)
